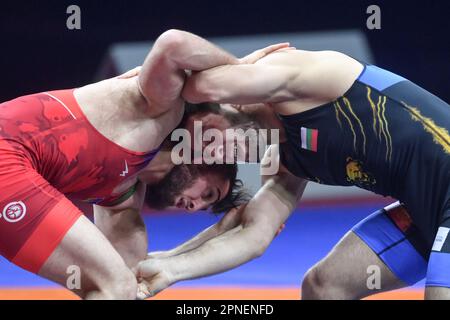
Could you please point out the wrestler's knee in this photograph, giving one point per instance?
(314, 285)
(121, 286)
(319, 284)
(124, 286)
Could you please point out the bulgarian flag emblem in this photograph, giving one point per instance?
(309, 138)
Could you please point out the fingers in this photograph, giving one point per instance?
(286, 49)
(150, 288)
(152, 278)
(275, 47)
(272, 48)
(147, 268)
(130, 74)
(143, 292)
(261, 53)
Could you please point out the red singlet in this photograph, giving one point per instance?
(48, 149)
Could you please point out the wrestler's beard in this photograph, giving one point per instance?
(162, 195)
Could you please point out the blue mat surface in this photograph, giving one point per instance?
(309, 234)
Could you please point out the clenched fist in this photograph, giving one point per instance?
(152, 277)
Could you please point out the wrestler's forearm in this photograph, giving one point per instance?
(228, 251)
(228, 221)
(241, 84)
(191, 244)
(126, 231)
(262, 219)
(132, 244)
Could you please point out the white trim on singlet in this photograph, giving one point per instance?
(62, 103)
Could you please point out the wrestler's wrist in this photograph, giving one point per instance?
(160, 254)
(174, 270)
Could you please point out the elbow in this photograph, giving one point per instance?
(193, 94)
(260, 237)
(259, 251)
(170, 41)
(260, 247)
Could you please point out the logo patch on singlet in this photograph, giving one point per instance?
(125, 171)
(440, 238)
(357, 175)
(14, 211)
(399, 216)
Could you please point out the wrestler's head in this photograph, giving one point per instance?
(221, 117)
(198, 187)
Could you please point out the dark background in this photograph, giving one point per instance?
(39, 53)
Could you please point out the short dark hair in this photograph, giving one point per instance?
(237, 194)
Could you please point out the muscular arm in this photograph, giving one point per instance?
(261, 219)
(228, 221)
(162, 76)
(282, 76)
(124, 227)
(271, 79)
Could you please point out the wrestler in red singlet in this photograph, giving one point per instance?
(49, 149)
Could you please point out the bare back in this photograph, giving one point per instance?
(117, 109)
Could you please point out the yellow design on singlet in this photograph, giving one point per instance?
(380, 124)
(380, 121)
(340, 111)
(440, 135)
(374, 112)
(387, 133)
(349, 106)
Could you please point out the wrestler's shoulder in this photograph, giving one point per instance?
(112, 92)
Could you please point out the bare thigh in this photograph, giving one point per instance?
(349, 271)
(437, 293)
(86, 249)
